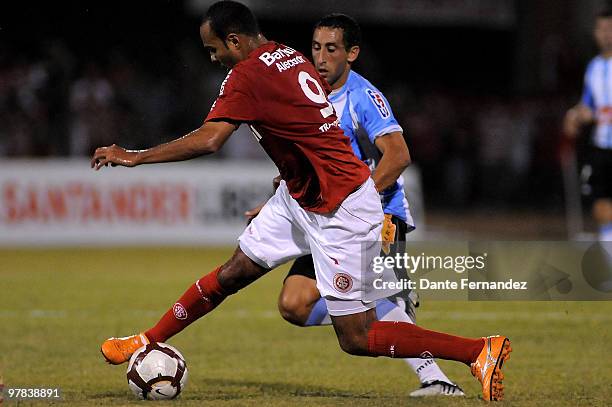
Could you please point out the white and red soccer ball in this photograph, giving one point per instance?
(157, 371)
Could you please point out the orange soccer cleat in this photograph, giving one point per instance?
(487, 367)
(119, 350)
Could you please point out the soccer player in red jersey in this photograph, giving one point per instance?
(326, 204)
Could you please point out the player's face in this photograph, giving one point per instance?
(330, 57)
(219, 50)
(603, 34)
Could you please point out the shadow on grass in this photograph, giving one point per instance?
(232, 389)
(228, 389)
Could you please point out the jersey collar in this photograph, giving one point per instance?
(340, 91)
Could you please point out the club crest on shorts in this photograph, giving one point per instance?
(379, 102)
(343, 282)
(179, 311)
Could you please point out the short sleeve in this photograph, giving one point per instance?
(587, 97)
(374, 113)
(235, 101)
(587, 94)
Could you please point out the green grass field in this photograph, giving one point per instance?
(57, 306)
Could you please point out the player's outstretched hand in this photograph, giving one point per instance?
(113, 155)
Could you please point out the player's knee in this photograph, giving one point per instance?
(291, 309)
(354, 344)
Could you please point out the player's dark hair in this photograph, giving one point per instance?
(227, 17)
(351, 31)
(606, 12)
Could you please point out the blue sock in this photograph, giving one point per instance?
(383, 307)
(319, 314)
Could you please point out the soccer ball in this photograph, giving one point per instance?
(157, 371)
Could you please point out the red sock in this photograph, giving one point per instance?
(403, 340)
(197, 301)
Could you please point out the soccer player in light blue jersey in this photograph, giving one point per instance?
(377, 139)
(595, 107)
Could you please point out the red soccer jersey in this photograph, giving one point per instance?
(278, 92)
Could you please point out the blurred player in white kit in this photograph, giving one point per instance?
(595, 107)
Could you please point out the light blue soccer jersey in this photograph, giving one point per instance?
(364, 115)
(597, 95)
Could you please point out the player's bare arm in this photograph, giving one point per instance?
(395, 159)
(203, 141)
(575, 118)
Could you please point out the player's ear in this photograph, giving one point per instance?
(352, 54)
(233, 40)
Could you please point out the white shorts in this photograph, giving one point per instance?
(343, 243)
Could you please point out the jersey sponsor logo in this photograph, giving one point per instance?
(179, 311)
(379, 102)
(326, 126)
(290, 63)
(269, 58)
(343, 282)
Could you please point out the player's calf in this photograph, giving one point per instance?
(206, 294)
(352, 332)
(198, 300)
(354, 344)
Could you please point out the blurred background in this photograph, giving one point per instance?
(479, 86)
